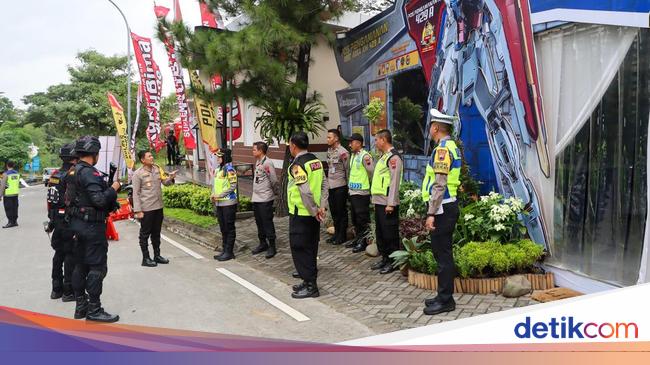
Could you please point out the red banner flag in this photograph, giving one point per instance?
(423, 19)
(151, 81)
(236, 118)
(178, 16)
(209, 18)
(179, 86)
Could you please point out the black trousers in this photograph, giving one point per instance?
(264, 220)
(441, 245)
(387, 230)
(11, 208)
(63, 262)
(360, 214)
(91, 251)
(226, 217)
(338, 202)
(171, 155)
(150, 226)
(304, 234)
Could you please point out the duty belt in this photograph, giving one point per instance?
(88, 214)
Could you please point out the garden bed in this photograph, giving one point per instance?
(479, 286)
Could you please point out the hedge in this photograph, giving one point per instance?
(196, 198)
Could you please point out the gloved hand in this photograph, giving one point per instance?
(48, 226)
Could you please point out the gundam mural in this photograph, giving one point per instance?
(484, 58)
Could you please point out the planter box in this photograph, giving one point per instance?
(479, 286)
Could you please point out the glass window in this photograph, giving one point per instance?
(601, 179)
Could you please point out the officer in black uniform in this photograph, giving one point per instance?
(62, 240)
(89, 199)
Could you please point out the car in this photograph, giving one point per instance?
(47, 173)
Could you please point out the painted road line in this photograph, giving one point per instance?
(264, 295)
(181, 247)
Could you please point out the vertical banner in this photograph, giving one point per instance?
(179, 84)
(120, 125)
(208, 18)
(205, 115)
(236, 118)
(423, 18)
(136, 123)
(151, 81)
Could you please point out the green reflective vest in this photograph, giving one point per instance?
(446, 160)
(13, 184)
(224, 178)
(381, 176)
(306, 169)
(359, 179)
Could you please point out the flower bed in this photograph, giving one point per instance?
(479, 286)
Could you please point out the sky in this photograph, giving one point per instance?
(40, 38)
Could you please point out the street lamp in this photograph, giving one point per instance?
(128, 71)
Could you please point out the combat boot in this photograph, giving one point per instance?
(98, 314)
(82, 307)
(310, 290)
(68, 294)
(157, 258)
(56, 294)
(299, 287)
(271, 251)
(146, 259)
(228, 253)
(263, 246)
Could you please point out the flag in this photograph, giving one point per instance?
(178, 16)
(151, 81)
(235, 118)
(209, 18)
(136, 123)
(120, 125)
(179, 86)
(205, 115)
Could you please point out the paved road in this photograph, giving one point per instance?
(189, 293)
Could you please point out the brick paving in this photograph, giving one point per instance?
(382, 302)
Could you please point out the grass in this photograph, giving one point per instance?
(188, 216)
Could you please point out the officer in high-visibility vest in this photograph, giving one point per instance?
(307, 193)
(224, 196)
(9, 189)
(361, 169)
(63, 262)
(386, 180)
(439, 189)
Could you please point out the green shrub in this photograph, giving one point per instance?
(489, 259)
(200, 201)
(423, 262)
(245, 204)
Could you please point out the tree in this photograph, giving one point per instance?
(269, 58)
(7, 110)
(375, 6)
(80, 107)
(13, 144)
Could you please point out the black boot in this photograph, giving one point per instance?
(331, 240)
(438, 307)
(299, 287)
(351, 243)
(380, 264)
(263, 246)
(310, 290)
(295, 274)
(98, 314)
(271, 251)
(227, 254)
(360, 247)
(68, 294)
(82, 307)
(146, 259)
(56, 294)
(160, 260)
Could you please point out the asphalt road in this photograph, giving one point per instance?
(190, 293)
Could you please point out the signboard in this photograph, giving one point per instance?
(631, 13)
(398, 63)
(423, 18)
(349, 100)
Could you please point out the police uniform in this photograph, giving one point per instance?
(224, 188)
(265, 184)
(89, 203)
(386, 180)
(337, 179)
(62, 240)
(361, 170)
(439, 189)
(9, 190)
(307, 192)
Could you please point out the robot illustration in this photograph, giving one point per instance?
(484, 43)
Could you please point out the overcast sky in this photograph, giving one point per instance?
(40, 38)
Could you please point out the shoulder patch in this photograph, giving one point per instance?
(393, 163)
(315, 166)
(441, 161)
(299, 174)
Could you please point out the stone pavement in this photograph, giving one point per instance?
(384, 303)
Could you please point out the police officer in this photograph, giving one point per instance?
(386, 180)
(439, 190)
(62, 240)
(265, 186)
(224, 196)
(337, 179)
(307, 195)
(89, 199)
(361, 169)
(10, 189)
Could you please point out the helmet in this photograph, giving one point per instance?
(67, 151)
(87, 144)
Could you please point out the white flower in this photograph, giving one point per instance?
(499, 227)
(410, 212)
(494, 195)
(468, 216)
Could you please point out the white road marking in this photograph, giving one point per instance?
(264, 295)
(181, 247)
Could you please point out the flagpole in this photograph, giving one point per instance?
(128, 71)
